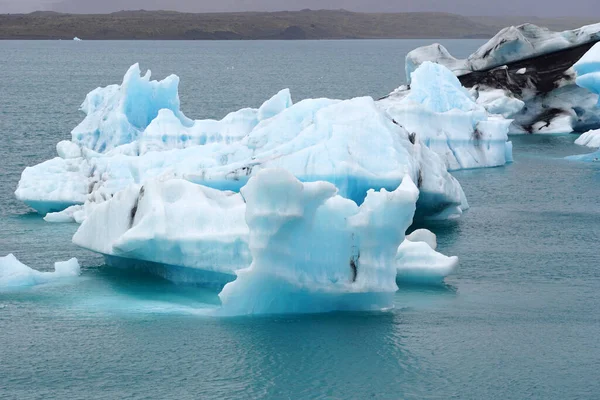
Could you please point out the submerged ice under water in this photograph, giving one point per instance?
(519, 319)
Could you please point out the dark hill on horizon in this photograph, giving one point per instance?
(305, 24)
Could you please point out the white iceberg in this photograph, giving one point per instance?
(589, 139)
(314, 251)
(418, 262)
(310, 243)
(13, 273)
(135, 131)
(447, 119)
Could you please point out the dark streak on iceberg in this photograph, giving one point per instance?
(530, 64)
(543, 73)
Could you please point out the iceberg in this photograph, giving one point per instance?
(444, 116)
(14, 274)
(418, 262)
(525, 73)
(589, 139)
(311, 249)
(314, 251)
(135, 132)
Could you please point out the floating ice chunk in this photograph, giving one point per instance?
(445, 117)
(314, 251)
(589, 139)
(127, 139)
(76, 39)
(76, 213)
(194, 234)
(13, 273)
(418, 262)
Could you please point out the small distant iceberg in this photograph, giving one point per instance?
(14, 273)
(76, 39)
(418, 262)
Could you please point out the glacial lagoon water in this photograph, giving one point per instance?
(519, 319)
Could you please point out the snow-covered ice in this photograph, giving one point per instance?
(135, 131)
(13, 273)
(447, 119)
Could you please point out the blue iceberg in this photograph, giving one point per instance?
(135, 131)
(277, 246)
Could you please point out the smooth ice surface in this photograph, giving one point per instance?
(13, 273)
(135, 131)
(520, 250)
(314, 251)
(447, 119)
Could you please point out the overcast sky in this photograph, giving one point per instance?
(540, 8)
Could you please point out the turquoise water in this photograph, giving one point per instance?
(519, 319)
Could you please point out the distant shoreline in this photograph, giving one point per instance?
(287, 25)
